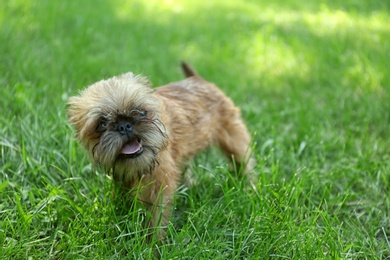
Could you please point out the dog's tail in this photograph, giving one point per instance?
(188, 71)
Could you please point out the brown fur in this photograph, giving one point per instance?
(183, 118)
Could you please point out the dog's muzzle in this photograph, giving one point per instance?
(133, 147)
(125, 128)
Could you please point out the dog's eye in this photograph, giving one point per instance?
(139, 114)
(101, 125)
(143, 114)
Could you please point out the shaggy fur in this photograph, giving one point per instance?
(144, 136)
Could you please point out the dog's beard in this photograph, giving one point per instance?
(130, 156)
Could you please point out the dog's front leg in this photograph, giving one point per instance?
(158, 196)
(160, 213)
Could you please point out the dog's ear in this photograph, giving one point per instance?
(188, 71)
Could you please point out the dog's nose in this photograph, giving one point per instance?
(124, 127)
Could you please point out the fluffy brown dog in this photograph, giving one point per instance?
(143, 136)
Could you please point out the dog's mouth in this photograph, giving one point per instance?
(132, 149)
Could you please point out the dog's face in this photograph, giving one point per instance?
(118, 122)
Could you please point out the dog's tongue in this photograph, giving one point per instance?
(131, 147)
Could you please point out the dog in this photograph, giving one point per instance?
(144, 136)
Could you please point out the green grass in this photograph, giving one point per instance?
(313, 83)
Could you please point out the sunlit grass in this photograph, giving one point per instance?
(265, 52)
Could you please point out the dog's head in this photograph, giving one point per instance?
(118, 122)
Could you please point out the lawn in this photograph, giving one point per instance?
(312, 79)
